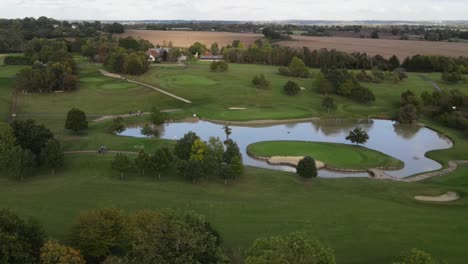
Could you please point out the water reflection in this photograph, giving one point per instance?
(408, 143)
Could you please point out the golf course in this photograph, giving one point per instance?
(364, 220)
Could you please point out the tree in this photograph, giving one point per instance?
(291, 88)
(20, 240)
(157, 117)
(237, 167)
(99, 233)
(142, 162)
(219, 66)
(415, 256)
(199, 149)
(52, 252)
(375, 34)
(21, 162)
(408, 113)
(214, 157)
(358, 135)
(215, 48)
(260, 81)
(394, 62)
(167, 237)
(7, 143)
(328, 103)
(306, 168)
(160, 160)
(190, 169)
(76, 120)
(117, 125)
(197, 47)
(323, 85)
(52, 155)
(31, 136)
(297, 68)
(122, 164)
(293, 248)
(232, 150)
(183, 147)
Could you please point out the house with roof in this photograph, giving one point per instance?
(157, 54)
(208, 56)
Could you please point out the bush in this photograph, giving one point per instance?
(16, 60)
(306, 168)
(219, 66)
(76, 120)
(260, 81)
(291, 88)
(296, 68)
(364, 77)
(362, 94)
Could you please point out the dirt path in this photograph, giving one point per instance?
(107, 117)
(96, 152)
(113, 75)
(427, 79)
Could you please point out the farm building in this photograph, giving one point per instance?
(157, 54)
(208, 56)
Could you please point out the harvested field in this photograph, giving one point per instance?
(384, 47)
(186, 38)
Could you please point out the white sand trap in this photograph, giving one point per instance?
(237, 108)
(303, 88)
(293, 161)
(447, 197)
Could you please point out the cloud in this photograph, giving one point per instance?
(238, 10)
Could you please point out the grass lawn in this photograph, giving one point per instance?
(7, 74)
(364, 220)
(335, 155)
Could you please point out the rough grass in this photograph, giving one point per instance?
(341, 156)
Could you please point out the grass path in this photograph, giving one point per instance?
(108, 74)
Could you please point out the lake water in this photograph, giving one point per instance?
(407, 143)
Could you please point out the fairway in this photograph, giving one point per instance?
(340, 156)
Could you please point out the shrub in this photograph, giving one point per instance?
(362, 76)
(306, 168)
(76, 120)
(362, 94)
(284, 71)
(291, 88)
(219, 66)
(16, 60)
(296, 68)
(260, 81)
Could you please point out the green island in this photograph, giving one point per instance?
(340, 156)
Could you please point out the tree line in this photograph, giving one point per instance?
(15, 33)
(109, 236)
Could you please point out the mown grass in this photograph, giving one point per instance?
(335, 155)
(364, 220)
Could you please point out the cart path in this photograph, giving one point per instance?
(99, 117)
(96, 152)
(427, 79)
(113, 75)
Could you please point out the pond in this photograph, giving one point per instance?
(408, 143)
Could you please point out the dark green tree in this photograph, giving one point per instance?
(157, 117)
(183, 147)
(197, 47)
(76, 120)
(160, 161)
(297, 68)
(215, 48)
(306, 168)
(358, 135)
(117, 126)
(31, 136)
(142, 162)
(20, 240)
(291, 88)
(407, 114)
(232, 150)
(329, 104)
(52, 155)
(415, 256)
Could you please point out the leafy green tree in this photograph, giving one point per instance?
(100, 233)
(165, 237)
(291, 88)
(226, 172)
(407, 114)
(358, 135)
(183, 147)
(21, 162)
(31, 136)
(136, 64)
(157, 117)
(52, 252)
(409, 97)
(323, 85)
(7, 143)
(306, 168)
(297, 68)
(293, 248)
(52, 155)
(215, 48)
(190, 169)
(232, 150)
(237, 167)
(142, 162)
(375, 34)
(76, 120)
(415, 256)
(117, 125)
(394, 62)
(260, 81)
(161, 160)
(122, 164)
(197, 47)
(20, 241)
(219, 66)
(329, 104)
(214, 156)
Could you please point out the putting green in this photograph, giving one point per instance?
(332, 154)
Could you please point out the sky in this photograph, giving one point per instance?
(433, 10)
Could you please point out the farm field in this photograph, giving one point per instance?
(185, 39)
(384, 47)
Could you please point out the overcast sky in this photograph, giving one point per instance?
(238, 9)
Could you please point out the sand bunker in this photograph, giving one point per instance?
(237, 108)
(293, 161)
(447, 197)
